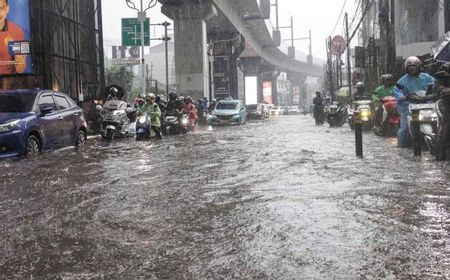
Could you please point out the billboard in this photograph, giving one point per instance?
(267, 92)
(15, 55)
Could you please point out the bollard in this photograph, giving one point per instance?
(358, 134)
(416, 134)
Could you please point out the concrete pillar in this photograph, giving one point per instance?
(191, 49)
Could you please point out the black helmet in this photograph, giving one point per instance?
(172, 96)
(113, 90)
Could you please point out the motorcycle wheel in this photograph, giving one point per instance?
(109, 134)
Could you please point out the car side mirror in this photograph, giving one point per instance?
(46, 110)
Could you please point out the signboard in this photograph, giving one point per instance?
(121, 52)
(126, 61)
(338, 45)
(131, 32)
(14, 38)
(267, 92)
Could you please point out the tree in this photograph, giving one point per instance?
(121, 76)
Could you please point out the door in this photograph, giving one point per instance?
(51, 123)
(69, 116)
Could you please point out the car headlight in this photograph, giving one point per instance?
(235, 117)
(9, 126)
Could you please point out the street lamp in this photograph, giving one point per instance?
(142, 17)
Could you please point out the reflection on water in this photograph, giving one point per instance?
(282, 199)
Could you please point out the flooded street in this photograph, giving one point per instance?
(281, 199)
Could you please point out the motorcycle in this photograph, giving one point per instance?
(387, 120)
(362, 106)
(173, 126)
(441, 142)
(337, 115)
(427, 126)
(143, 128)
(116, 119)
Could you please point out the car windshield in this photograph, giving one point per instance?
(16, 102)
(227, 106)
(252, 107)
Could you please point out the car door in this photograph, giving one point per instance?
(68, 122)
(49, 124)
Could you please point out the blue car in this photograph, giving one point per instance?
(33, 121)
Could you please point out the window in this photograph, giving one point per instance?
(47, 101)
(62, 102)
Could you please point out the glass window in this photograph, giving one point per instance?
(16, 102)
(62, 102)
(47, 101)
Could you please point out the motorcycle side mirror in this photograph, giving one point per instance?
(130, 110)
(98, 108)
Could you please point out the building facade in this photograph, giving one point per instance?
(65, 47)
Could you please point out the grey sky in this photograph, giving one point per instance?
(318, 15)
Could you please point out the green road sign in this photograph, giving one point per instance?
(131, 32)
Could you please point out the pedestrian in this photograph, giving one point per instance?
(414, 82)
(318, 108)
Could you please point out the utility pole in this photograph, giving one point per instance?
(166, 40)
(349, 67)
(276, 14)
(292, 31)
(142, 18)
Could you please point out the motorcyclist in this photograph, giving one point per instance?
(412, 83)
(113, 93)
(190, 109)
(318, 108)
(155, 114)
(141, 107)
(443, 134)
(162, 106)
(360, 93)
(212, 106)
(385, 90)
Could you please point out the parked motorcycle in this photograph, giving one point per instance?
(337, 115)
(143, 128)
(363, 106)
(116, 119)
(387, 120)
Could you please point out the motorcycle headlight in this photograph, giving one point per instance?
(141, 120)
(9, 126)
(185, 121)
(365, 114)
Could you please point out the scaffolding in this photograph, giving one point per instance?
(67, 46)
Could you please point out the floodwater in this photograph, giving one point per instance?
(281, 199)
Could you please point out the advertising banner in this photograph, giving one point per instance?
(15, 55)
(267, 92)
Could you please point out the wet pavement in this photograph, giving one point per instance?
(281, 199)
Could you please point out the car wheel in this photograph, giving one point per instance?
(33, 147)
(81, 139)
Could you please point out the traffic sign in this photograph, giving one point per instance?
(131, 32)
(338, 45)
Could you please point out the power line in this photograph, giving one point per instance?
(361, 20)
(356, 12)
(339, 18)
